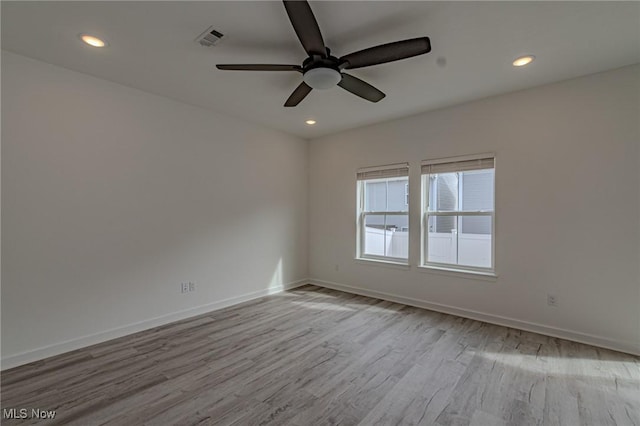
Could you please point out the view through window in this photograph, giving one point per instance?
(459, 213)
(384, 214)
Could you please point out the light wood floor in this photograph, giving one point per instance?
(314, 356)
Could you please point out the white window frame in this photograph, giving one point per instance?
(426, 213)
(362, 214)
(406, 194)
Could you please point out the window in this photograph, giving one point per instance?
(383, 213)
(458, 213)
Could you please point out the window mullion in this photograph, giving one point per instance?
(458, 232)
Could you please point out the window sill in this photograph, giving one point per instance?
(462, 273)
(384, 263)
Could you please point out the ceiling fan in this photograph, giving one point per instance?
(321, 70)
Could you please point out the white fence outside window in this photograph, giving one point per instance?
(469, 249)
(397, 242)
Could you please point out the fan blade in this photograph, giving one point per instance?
(298, 95)
(306, 27)
(360, 88)
(387, 53)
(259, 67)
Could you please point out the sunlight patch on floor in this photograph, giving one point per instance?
(568, 367)
(323, 306)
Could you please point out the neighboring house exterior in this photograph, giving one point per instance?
(473, 189)
(393, 195)
(389, 195)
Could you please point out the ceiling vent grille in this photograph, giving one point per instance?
(210, 37)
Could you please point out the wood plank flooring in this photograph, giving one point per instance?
(313, 356)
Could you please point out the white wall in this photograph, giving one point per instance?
(567, 207)
(112, 196)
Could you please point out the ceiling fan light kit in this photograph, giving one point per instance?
(321, 70)
(322, 78)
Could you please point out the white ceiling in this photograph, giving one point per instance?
(152, 48)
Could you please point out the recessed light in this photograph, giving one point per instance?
(523, 60)
(310, 122)
(92, 40)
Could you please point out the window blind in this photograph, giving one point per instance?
(381, 172)
(430, 167)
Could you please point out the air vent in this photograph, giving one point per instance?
(210, 37)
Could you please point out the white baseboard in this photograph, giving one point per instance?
(84, 341)
(576, 336)
(92, 339)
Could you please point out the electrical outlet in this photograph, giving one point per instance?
(192, 286)
(552, 300)
(184, 287)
